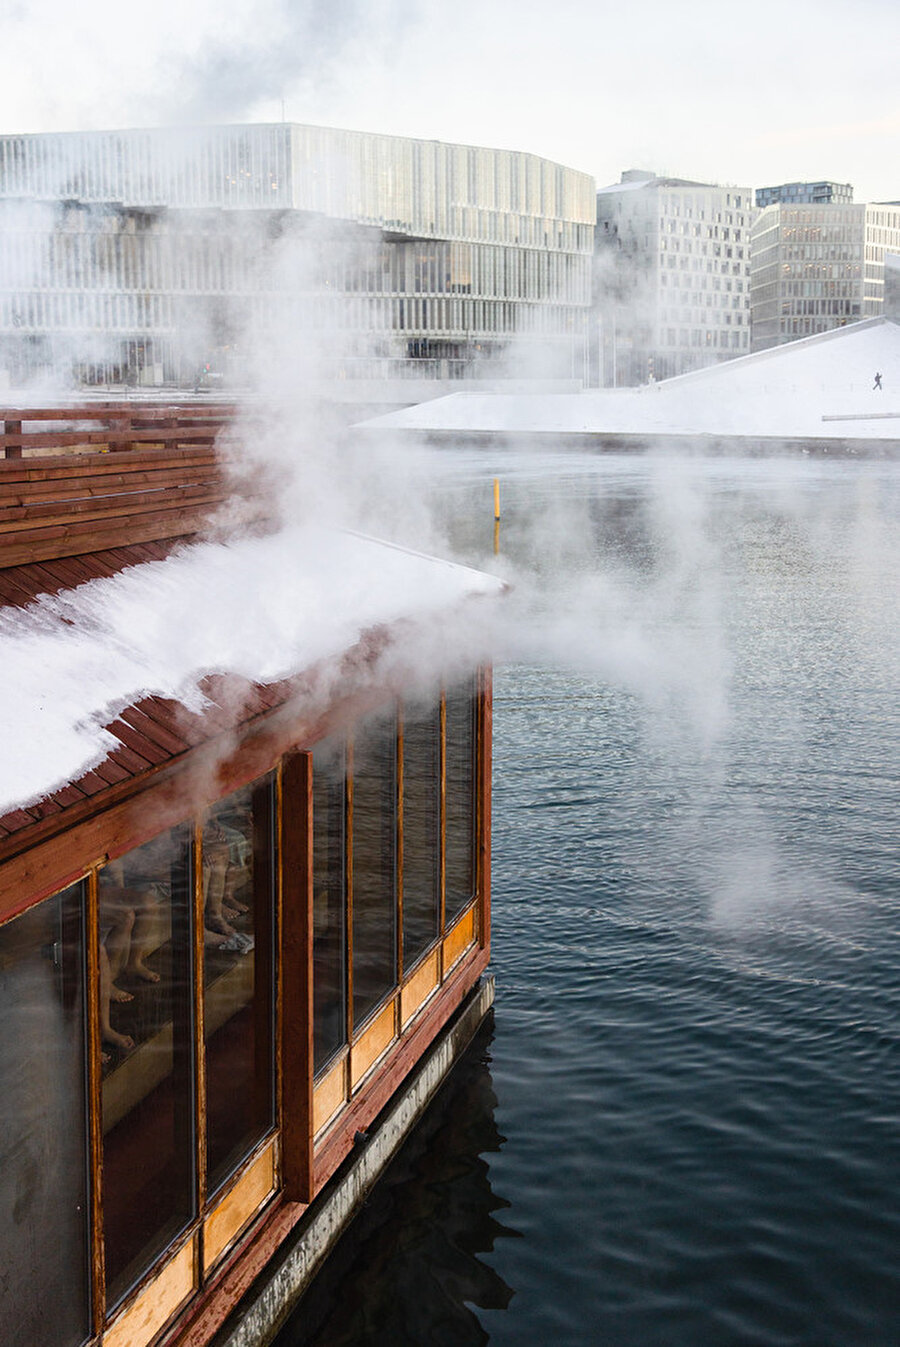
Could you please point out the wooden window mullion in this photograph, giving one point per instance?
(484, 731)
(94, 1100)
(442, 841)
(398, 843)
(197, 964)
(297, 1053)
(279, 1023)
(348, 883)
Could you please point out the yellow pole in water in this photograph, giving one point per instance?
(496, 515)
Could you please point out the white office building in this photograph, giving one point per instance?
(145, 256)
(818, 267)
(672, 277)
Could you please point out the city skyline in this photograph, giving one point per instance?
(698, 92)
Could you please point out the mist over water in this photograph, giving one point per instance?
(685, 1131)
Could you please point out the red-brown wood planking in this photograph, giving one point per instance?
(69, 519)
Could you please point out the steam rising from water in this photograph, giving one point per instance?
(697, 596)
(625, 570)
(642, 575)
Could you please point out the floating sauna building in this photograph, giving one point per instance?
(244, 917)
(149, 256)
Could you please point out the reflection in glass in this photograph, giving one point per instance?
(44, 1295)
(329, 891)
(461, 799)
(374, 864)
(148, 1071)
(238, 980)
(421, 832)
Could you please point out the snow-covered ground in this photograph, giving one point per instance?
(789, 392)
(263, 608)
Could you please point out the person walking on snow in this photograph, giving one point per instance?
(877, 383)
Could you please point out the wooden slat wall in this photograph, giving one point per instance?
(91, 502)
(134, 474)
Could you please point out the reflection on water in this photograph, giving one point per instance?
(411, 1267)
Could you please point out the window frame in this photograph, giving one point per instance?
(59, 859)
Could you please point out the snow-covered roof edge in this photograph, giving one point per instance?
(264, 609)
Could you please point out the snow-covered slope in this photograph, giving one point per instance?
(818, 388)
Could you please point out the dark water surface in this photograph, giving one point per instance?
(682, 1131)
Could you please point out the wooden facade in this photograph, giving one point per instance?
(222, 951)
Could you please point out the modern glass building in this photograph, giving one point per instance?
(817, 267)
(672, 267)
(147, 256)
(796, 193)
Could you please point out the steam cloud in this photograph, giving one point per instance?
(657, 627)
(294, 43)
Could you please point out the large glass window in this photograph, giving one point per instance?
(44, 1281)
(374, 849)
(238, 928)
(329, 903)
(461, 769)
(395, 819)
(421, 831)
(146, 1025)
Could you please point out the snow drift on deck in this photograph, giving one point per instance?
(788, 392)
(263, 608)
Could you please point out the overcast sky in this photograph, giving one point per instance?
(768, 92)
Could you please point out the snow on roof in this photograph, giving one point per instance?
(630, 186)
(262, 608)
(654, 180)
(818, 388)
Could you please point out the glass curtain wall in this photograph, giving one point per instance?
(44, 1262)
(329, 903)
(421, 831)
(374, 865)
(238, 976)
(394, 863)
(394, 824)
(461, 776)
(146, 1027)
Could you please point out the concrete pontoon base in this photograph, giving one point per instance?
(262, 1312)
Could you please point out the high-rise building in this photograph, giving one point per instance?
(671, 279)
(143, 256)
(817, 267)
(797, 193)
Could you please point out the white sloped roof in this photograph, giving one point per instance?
(264, 608)
(817, 388)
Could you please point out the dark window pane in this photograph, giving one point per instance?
(461, 796)
(146, 1013)
(238, 983)
(421, 832)
(44, 1297)
(374, 864)
(329, 905)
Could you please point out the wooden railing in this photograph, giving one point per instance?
(114, 474)
(29, 432)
